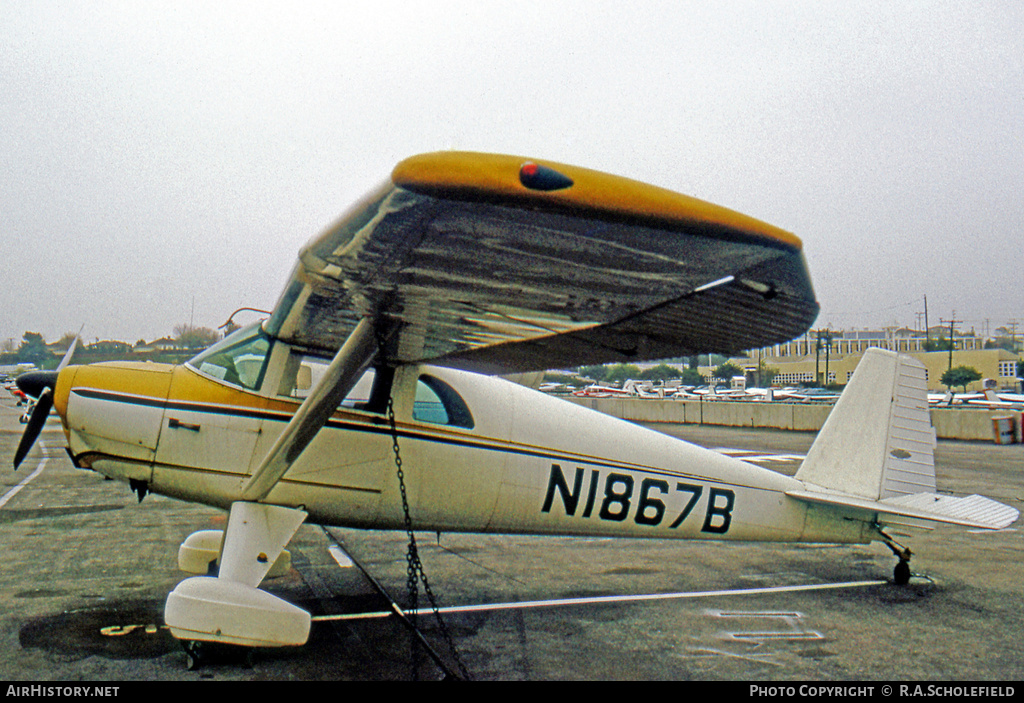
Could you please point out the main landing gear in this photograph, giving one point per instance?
(901, 574)
(229, 610)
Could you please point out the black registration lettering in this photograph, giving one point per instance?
(650, 502)
(619, 498)
(716, 510)
(647, 502)
(695, 492)
(557, 482)
(591, 492)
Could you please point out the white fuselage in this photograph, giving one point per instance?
(524, 463)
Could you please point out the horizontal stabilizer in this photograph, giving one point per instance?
(913, 510)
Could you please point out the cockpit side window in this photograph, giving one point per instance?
(239, 359)
(304, 371)
(437, 403)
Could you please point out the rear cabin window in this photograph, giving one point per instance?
(438, 404)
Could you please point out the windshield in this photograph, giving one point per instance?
(238, 359)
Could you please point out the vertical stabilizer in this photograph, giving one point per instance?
(878, 441)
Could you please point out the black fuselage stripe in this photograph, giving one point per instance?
(370, 429)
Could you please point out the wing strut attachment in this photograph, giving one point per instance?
(348, 364)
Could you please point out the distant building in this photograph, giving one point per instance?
(158, 345)
(804, 360)
(898, 339)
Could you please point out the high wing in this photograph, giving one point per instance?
(501, 264)
(498, 264)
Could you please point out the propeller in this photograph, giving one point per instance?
(39, 385)
(36, 421)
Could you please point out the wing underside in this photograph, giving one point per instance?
(496, 280)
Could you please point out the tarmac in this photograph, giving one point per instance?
(87, 569)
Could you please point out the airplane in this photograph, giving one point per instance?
(370, 397)
(597, 391)
(19, 396)
(995, 401)
(989, 399)
(806, 395)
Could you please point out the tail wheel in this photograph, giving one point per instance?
(901, 574)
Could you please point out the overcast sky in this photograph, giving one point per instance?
(164, 161)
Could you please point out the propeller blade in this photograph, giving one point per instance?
(35, 425)
(70, 352)
(39, 385)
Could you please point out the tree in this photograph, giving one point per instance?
(691, 377)
(661, 372)
(1007, 343)
(563, 378)
(594, 373)
(33, 350)
(195, 337)
(67, 339)
(768, 374)
(960, 376)
(940, 344)
(727, 370)
(618, 373)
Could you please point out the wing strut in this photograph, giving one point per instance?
(344, 371)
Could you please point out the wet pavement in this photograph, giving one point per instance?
(87, 570)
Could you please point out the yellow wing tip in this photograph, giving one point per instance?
(477, 175)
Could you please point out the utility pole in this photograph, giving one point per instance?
(827, 336)
(951, 345)
(817, 355)
(927, 334)
(828, 350)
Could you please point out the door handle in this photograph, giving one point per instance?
(175, 423)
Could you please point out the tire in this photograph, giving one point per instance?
(901, 574)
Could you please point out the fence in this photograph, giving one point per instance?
(949, 423)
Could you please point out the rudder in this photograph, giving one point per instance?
(878, 441)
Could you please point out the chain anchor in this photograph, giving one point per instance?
(415, 573)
